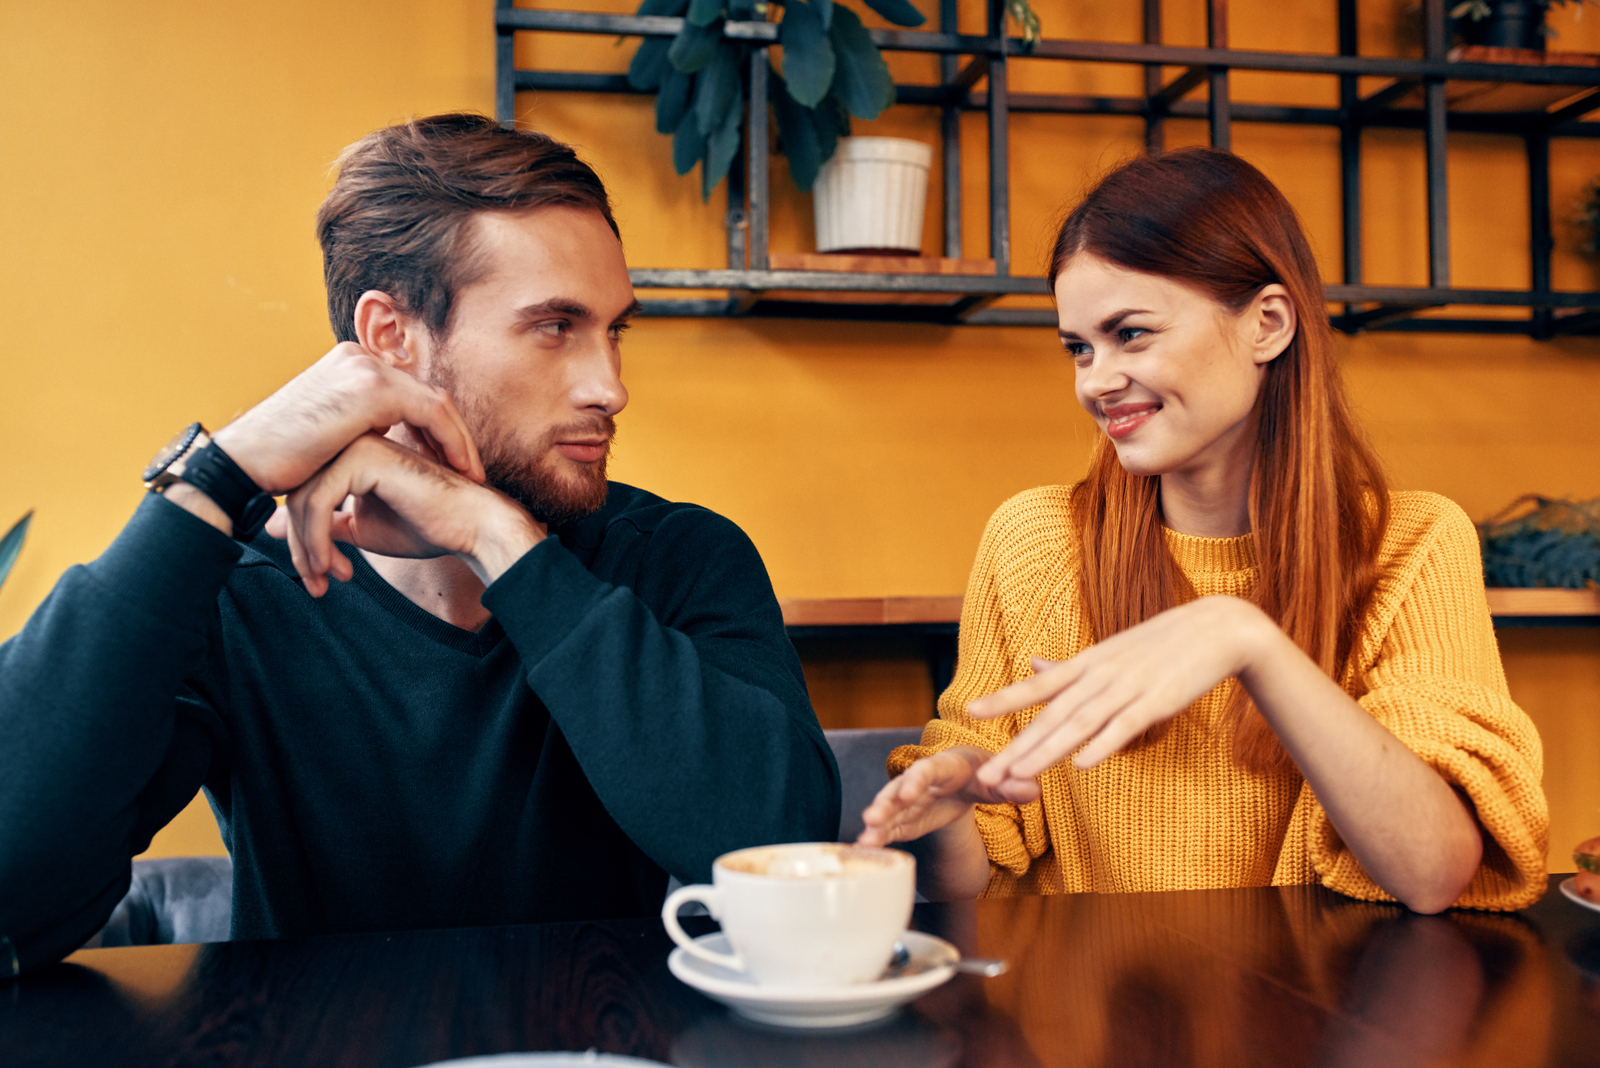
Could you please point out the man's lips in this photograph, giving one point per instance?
(1124, 419)
(584, 450)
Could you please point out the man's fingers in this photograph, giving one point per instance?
(431, 410)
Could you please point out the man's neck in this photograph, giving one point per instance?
(443, 587)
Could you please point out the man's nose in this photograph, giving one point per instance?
(598, 381)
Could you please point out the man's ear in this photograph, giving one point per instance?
(386, 331)
(1271, 322)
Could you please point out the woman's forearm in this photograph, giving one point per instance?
(1410, 830)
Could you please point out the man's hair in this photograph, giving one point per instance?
(399, 217)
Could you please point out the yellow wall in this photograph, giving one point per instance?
(163, 162)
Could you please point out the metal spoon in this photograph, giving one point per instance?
(901, 964)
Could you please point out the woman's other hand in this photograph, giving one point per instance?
(1117, 689)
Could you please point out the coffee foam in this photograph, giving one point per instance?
(842, 862)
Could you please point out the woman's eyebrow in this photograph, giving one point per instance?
(1111, 322)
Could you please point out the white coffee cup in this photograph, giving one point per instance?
(812, 914)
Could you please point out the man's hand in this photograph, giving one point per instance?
(284, 440)
(387, 499)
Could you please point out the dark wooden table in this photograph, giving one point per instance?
(1295, 976)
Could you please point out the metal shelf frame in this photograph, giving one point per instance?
(966, 60)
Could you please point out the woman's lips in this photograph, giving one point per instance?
(583, 451)
(1124, 419)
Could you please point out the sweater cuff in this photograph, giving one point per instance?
(540, 599)
(168, 562)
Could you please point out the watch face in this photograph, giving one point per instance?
(172, 450)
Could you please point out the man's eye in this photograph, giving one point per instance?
(553, 327)
(618, 330)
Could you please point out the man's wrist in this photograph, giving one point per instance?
(503, 538)
(198, 504)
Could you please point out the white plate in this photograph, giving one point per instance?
(832, 1006)
(1576, 898)
(590, 1059)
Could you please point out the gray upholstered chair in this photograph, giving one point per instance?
(172, 900)
(190, 899)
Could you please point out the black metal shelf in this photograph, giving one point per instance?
(754, 290)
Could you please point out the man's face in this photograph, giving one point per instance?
(533, 360)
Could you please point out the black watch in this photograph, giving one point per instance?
(192, 457)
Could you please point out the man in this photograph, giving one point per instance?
(528, 694)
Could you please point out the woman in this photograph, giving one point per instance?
(1264, 667)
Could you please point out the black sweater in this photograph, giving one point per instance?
(633, 708)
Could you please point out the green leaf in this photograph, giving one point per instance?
(650, 63)
(1024, 17)
(808, 60)
(670, 8)
(672, 100)
(695, 46)
(833, 122)
(688, 144)
(899, 12)
(11, 544)
(722, 146)
(797, 136)
(862, 82)
(715, 87)
(704, 12)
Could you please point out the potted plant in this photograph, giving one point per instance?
(832, 70)
(11, 545)
(1505, 23)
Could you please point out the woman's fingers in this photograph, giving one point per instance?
(1029, 692)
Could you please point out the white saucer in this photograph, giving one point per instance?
(1575, 897)
(834, 1006)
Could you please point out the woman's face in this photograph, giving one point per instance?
(1168, 373)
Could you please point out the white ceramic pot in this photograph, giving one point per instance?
(871, 195)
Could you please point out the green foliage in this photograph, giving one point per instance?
(1556, 544)
(11, 544)
(831, 71)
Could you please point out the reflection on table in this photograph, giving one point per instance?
(1291, 976)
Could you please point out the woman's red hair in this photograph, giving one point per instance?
(1318, 499)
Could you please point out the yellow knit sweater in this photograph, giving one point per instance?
(1178, 813)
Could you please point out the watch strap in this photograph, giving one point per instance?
(213, 472)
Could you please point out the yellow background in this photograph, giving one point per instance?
(163, 161)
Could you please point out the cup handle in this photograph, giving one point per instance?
(707, 896)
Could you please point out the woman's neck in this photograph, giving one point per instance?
(1212, 502)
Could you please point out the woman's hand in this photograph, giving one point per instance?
(933, 792)
(1115, 690)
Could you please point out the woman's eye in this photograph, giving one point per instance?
(1129, 333)
(1078, 350)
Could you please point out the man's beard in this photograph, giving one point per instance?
(539, 486)
(537, 483)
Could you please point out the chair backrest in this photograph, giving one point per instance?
(173, 900)
(863, 756)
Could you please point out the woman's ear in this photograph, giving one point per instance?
(385, 331)
(1271, 322)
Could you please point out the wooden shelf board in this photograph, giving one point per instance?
(879, 611)
(1541, 602)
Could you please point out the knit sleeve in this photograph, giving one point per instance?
(1433, 677)
(987, 660)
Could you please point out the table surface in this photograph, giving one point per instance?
(1279, 976)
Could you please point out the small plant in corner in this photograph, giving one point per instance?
(11, 544)
(832, 71)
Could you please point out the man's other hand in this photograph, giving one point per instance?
(383, 497)
(287, 438)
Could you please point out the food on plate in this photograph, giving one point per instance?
(1587, 858)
